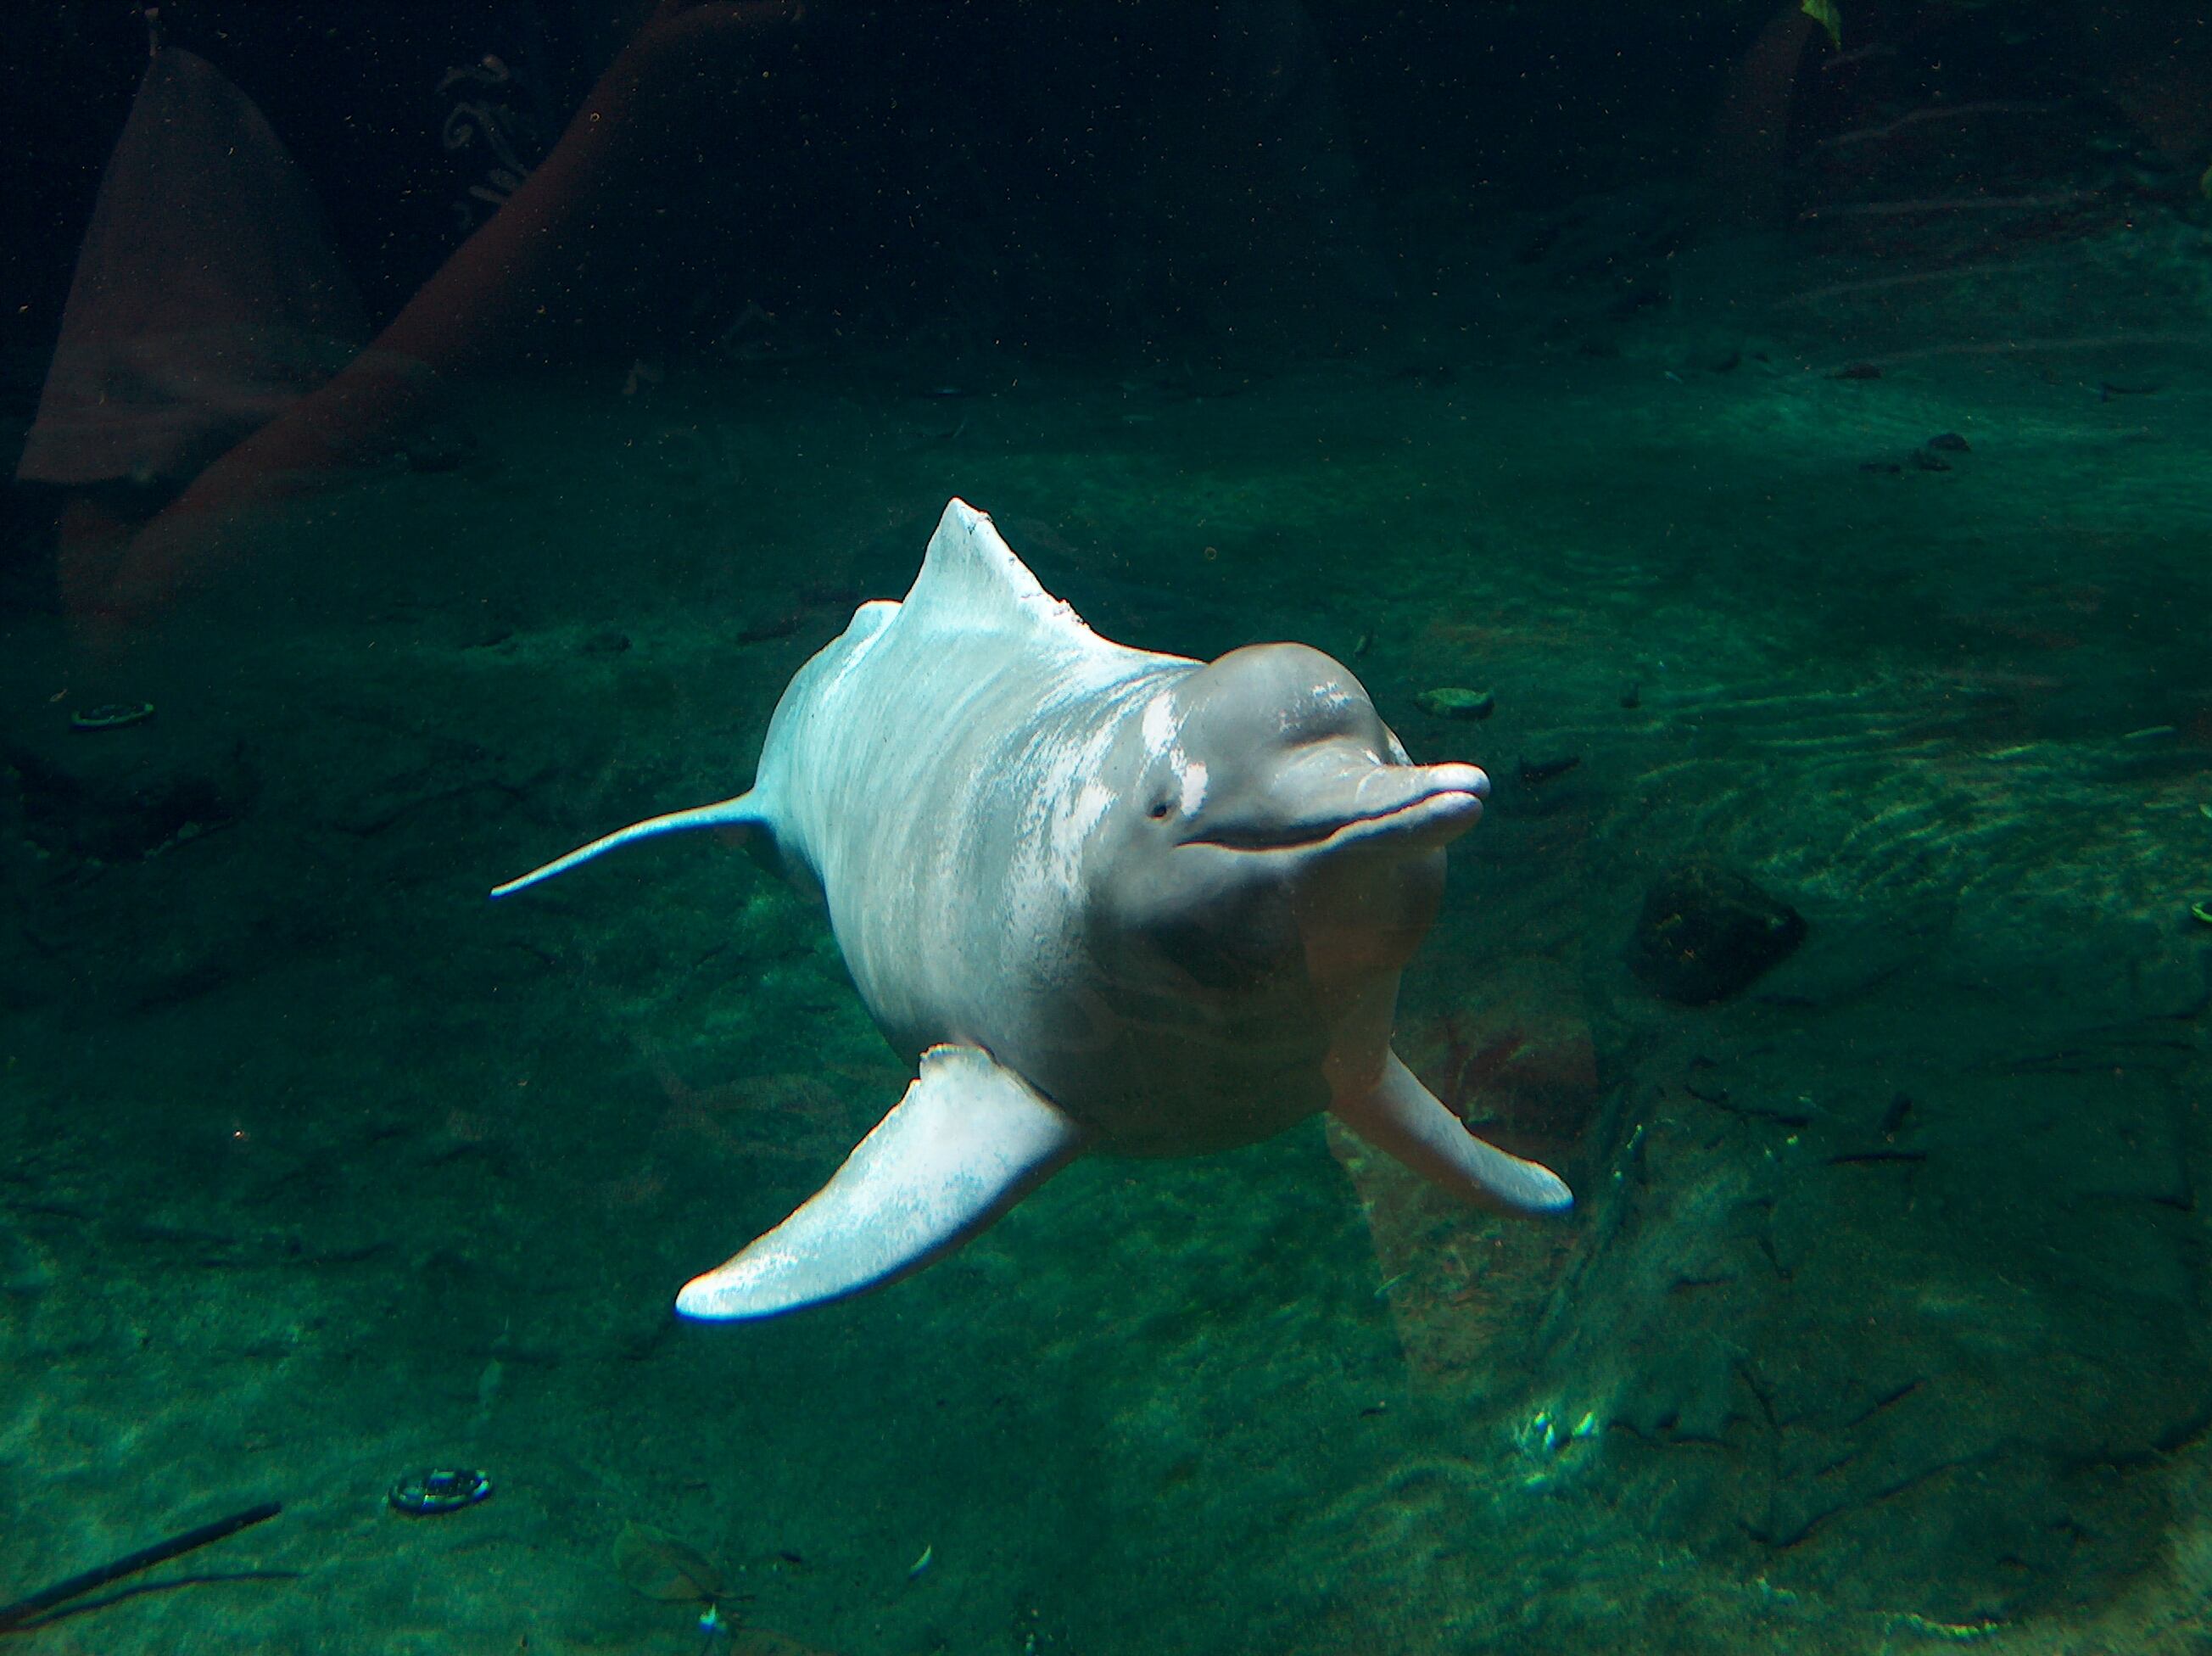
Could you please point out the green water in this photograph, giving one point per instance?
(1880, 1323)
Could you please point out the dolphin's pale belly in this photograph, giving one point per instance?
(966, 920)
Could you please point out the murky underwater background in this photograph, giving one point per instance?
(1797, 447)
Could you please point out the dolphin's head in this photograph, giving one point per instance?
(1267, 819)
(1276, 749)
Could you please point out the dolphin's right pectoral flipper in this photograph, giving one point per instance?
(1405, 1120)
(969, 1139)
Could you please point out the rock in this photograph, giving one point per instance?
(1450, 703)
(1546, 767)
(1706, 931)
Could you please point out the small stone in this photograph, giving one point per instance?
(111, 715)
(606, 644)
(1449, 703)
(1949, 441)
(1546, 767)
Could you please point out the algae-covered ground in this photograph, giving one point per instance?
(1880, 1325)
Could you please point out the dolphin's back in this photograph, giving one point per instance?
(926, 771)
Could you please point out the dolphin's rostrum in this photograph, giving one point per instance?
(1107, 900)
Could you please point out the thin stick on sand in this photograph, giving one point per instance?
(12, 1616)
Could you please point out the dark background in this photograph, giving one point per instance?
(1039, 161)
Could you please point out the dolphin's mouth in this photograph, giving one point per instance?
(1444, 812)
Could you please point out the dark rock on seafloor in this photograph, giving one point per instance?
(1457, 704)
(1546, 767)
(1706, 931)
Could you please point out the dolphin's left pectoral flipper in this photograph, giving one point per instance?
(969, 1139)
(1405, 1120)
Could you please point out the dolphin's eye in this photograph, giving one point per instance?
(1160, 808)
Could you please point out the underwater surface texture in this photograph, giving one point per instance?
(1785, 465)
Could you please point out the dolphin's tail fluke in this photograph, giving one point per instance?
(737, 813)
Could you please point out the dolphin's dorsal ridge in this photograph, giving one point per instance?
(970, 580)
(969, 1139)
